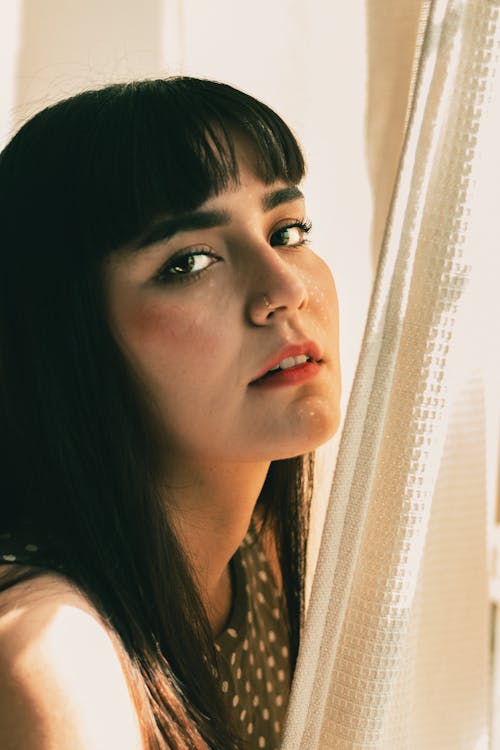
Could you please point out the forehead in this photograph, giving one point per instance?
(251, 187)
(249, 173)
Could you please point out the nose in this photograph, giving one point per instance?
(277, 290)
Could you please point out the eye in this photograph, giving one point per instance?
(187, 266)
(291, 235)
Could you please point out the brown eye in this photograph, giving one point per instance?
(187, 265)
(292, 235)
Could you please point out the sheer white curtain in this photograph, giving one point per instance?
(395, 652)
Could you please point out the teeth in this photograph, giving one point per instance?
(288, 362)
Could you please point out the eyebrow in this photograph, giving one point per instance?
(193, 220)
(166, 228)
(282, 195)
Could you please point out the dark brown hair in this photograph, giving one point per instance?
(78, 456)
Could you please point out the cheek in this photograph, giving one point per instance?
(323, 294)
(157, 334)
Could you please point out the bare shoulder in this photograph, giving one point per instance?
(62, 684)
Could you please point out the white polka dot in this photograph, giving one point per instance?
(276, 613)
(260, 597)
(258, 672)
(269, 686)
(9, 558)
(255, 701)
(217, 648)
(245, 644)
(250, 617)
(277, 726)
(262, 646)
(251, 659)
(31, 548)
(262, 575)
(250, 728)
(254, 633)
(225, 686)
(243, 714)
(271, 662)
(281, 675)
(279, 700)
(272, 636)
(236, 700)
(248, 687)
(232, 632)
(265, 714)
(238, 673)
(284, 651)
(262, 741)
(233, 659)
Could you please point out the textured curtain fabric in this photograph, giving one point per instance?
(395, 652)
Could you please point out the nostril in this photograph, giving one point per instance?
(288, 295)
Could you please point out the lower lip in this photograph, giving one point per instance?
(292, 376)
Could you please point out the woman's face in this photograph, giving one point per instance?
(214, 299)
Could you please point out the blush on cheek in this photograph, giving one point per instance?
(152, 330)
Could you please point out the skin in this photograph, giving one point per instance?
(62, 684)
(197, 341)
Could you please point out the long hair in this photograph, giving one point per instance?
(79, 458)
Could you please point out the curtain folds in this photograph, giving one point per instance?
(395, 648)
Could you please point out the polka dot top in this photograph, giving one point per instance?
(253, 650)
(14, 549)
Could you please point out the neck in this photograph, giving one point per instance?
(211, 512)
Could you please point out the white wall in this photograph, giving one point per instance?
(10, 17)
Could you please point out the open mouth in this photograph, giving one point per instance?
(287, 364)
(287, 367)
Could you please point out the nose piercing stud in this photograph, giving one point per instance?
(267, 301)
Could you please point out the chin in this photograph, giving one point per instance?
(313, 428)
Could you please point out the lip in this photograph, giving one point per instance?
(309, 348)
(294, 376)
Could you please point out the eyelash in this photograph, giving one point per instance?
(164, 277)
(304, 226)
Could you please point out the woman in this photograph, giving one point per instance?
(169, 359)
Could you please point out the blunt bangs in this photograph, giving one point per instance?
(126, 154)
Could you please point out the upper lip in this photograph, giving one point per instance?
(309, 348)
